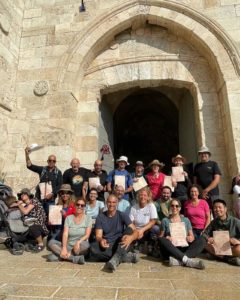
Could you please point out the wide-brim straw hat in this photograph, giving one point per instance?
(123, 158)
(65, 188)
(156, 162)
(25, 191)
(179, 156)
(204, 149)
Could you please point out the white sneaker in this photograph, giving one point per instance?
(174, 262)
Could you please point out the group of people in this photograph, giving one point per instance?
(128, 221)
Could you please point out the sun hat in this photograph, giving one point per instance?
(204, 149)
(65, 188)
(179, 156)
(139, 162)
(156, 162)
(123, 158)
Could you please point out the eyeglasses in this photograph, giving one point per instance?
(93, 194)
(80, 205)
(98, 165)
(51, 160)
(173, 205)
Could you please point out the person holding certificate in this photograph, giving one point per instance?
(120, 177)
(177, 241)
(155, 179)
(65, 200)
(77, 230)
(183, 181)
(223, 235)
(197, 211)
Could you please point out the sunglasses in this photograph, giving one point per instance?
(51, 160)
(80, 205)
(66, 193)
(175, 205)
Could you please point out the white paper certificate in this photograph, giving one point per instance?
(177, 173)
(94, 182)
(119, 180)
(168, 182)
(222, 243)
(55, 214)
(178, 234)
(45, 189)
(141, 183)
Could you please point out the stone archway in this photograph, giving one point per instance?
(212, 81)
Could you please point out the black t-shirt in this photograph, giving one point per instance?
(75, 180)
(113, 227)
(103, 182)
(205, 172)
(45, 175)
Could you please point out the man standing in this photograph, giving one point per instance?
(114, 234)
(120, 176)
(75, 176)
(228, 223)
(50, 179)
(101, 176)
(207, 174)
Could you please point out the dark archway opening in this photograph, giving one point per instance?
(145, 127)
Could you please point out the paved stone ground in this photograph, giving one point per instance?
(30, 277)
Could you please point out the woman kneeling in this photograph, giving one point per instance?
(180, 250)
(77, 229)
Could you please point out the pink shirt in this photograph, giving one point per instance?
(155, 184)
(197, 214)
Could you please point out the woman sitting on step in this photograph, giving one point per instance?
(177, 243)
(74, 245)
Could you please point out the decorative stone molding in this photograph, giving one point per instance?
(41, 88)
(4, 24)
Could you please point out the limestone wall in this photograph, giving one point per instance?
(51, 90)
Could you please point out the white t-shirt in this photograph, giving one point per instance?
(141, 216)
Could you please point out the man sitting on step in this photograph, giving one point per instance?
(114, 234)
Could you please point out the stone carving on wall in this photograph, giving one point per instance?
(7, 94)
(41, 88)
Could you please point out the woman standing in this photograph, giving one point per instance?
(77, 229)
(197, 211)
(155, 179)
(32, 208)
(180, 255)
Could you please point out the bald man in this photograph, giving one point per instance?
(99, 181)
(75, 176)
(47, 174)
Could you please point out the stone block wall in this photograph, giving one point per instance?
(50, 97)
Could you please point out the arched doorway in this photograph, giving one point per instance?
(149, 123)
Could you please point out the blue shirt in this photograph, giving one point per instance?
(128, 179)
(112, 227)
(94, 211)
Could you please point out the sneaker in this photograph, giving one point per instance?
(52, 257)
(174, 262)
(195, 264)
(234, 261)
(78, 259)
(113, 262)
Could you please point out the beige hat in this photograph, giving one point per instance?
(25, 191)
(156, 162)
(139, 162)
(204, 149)
(65, 188)
(179, 156)
(123, 158)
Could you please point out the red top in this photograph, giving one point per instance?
(155, 184)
